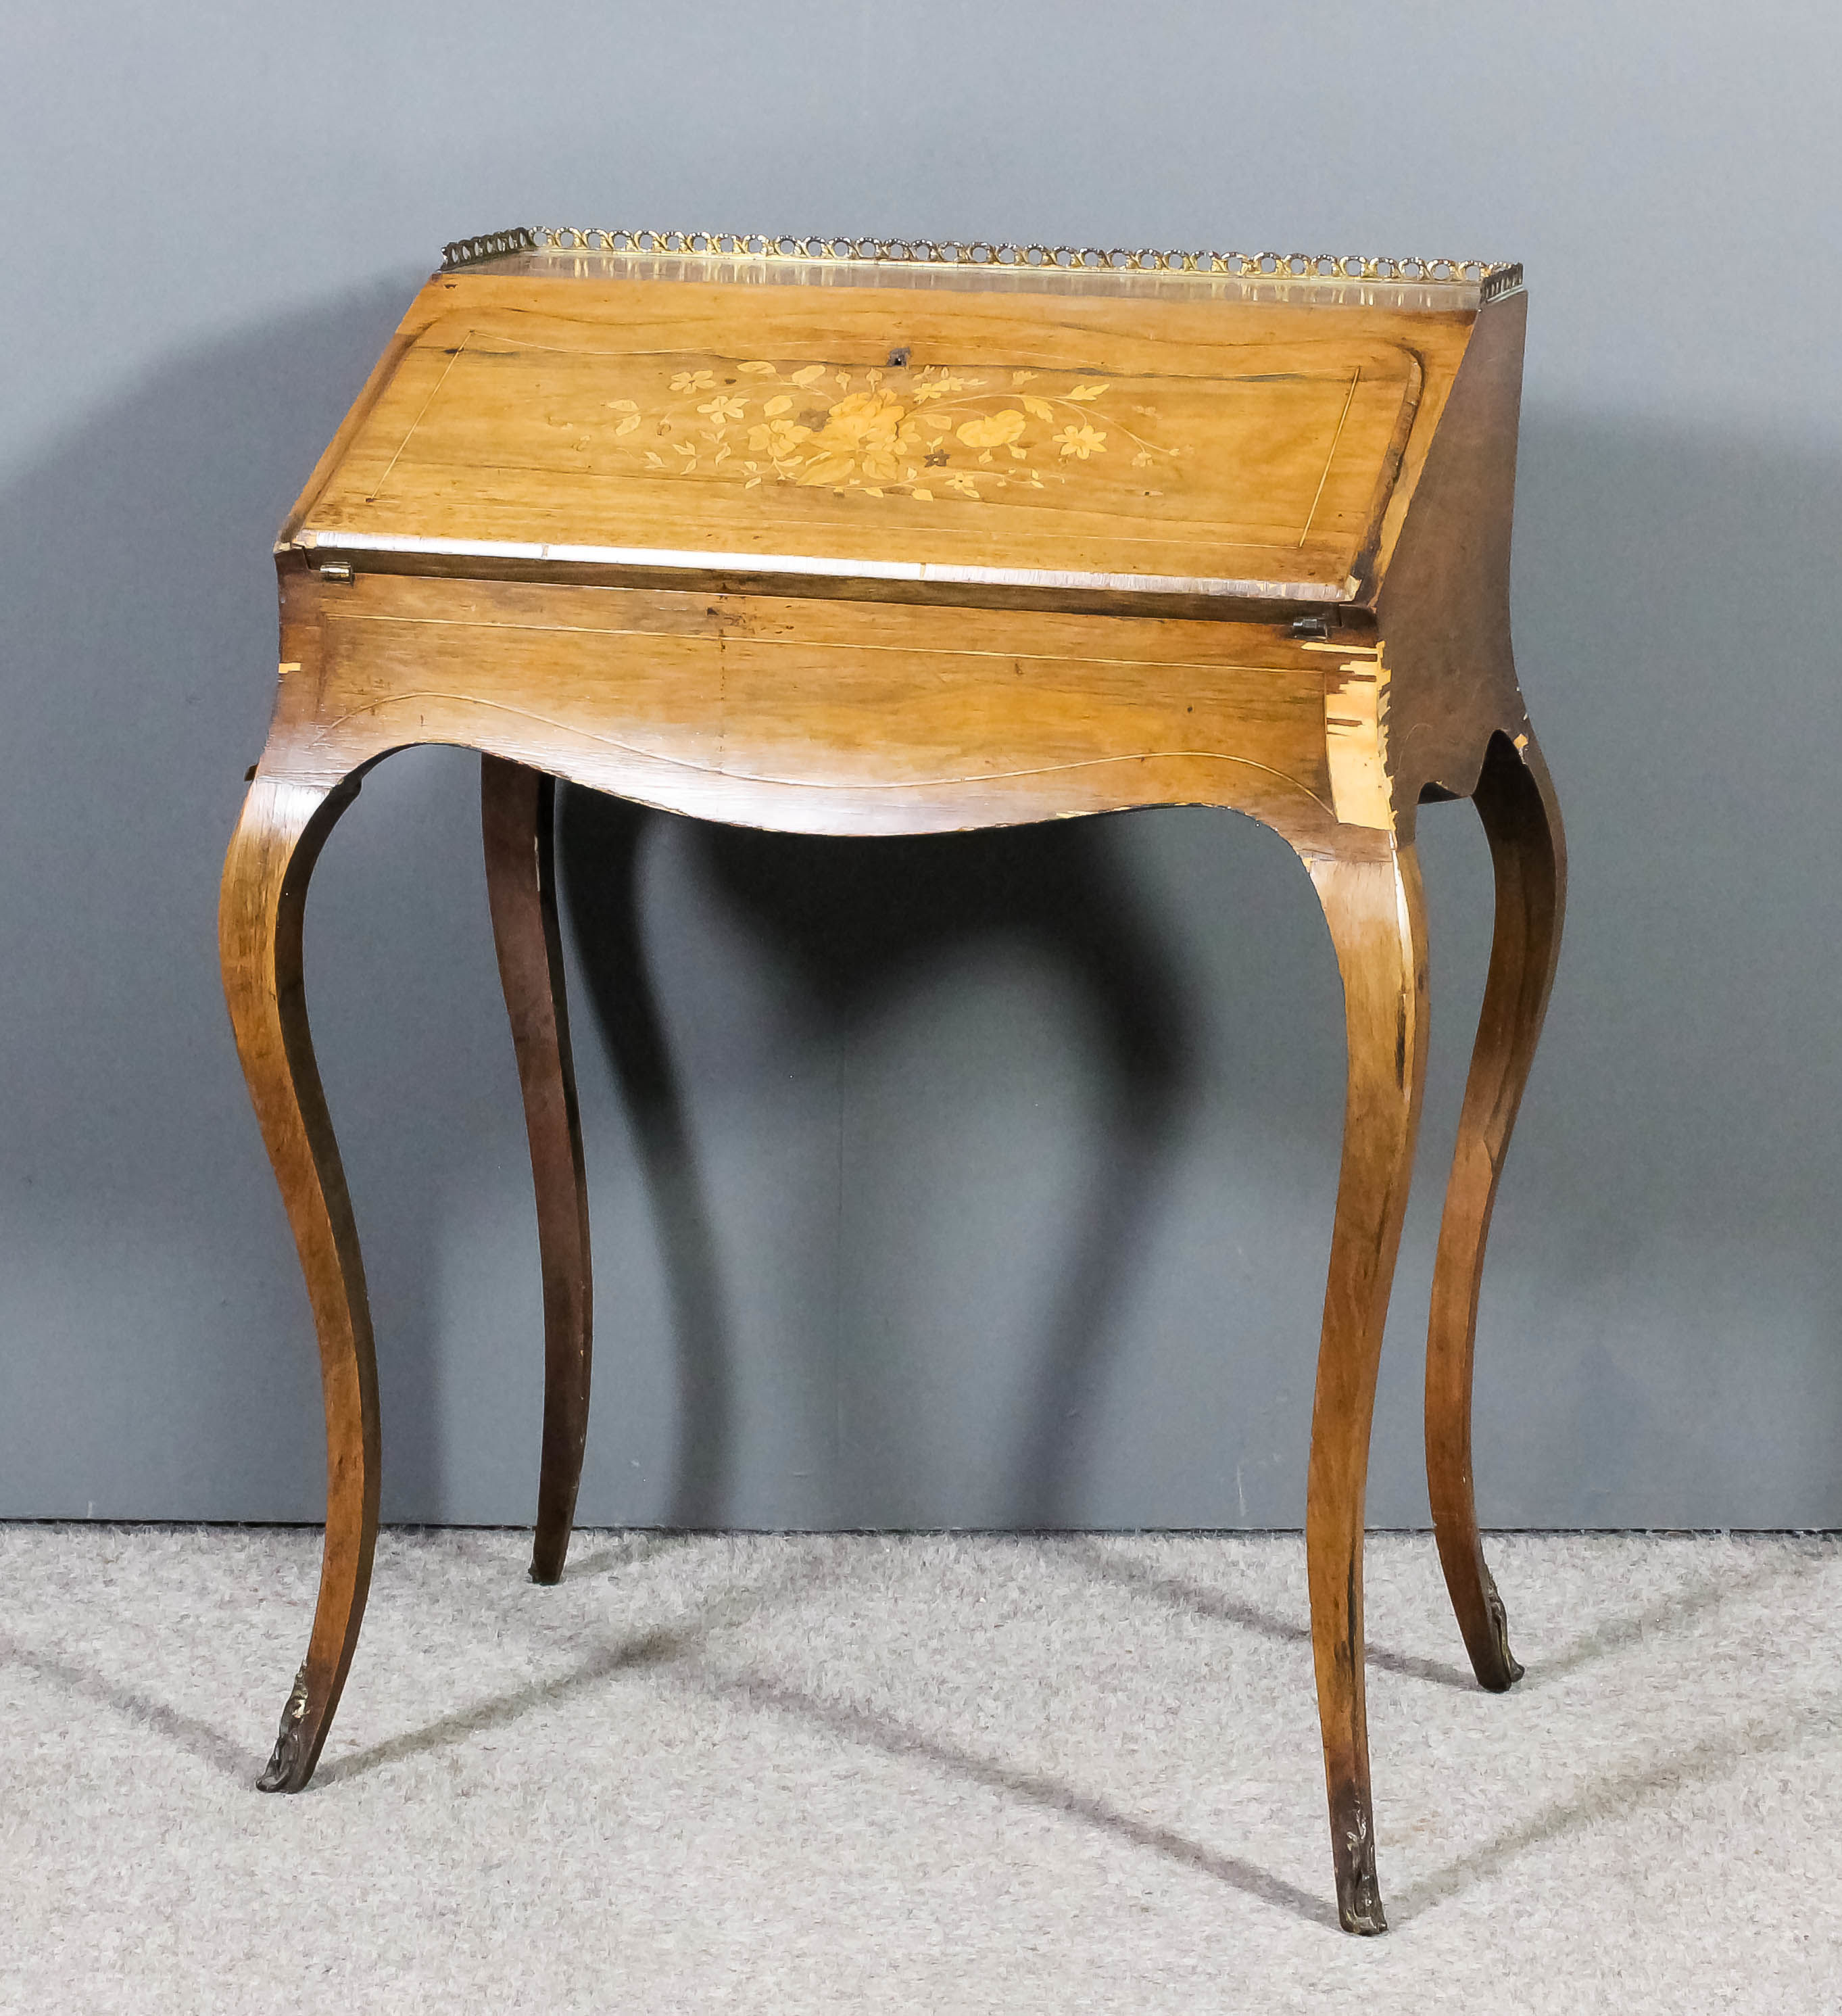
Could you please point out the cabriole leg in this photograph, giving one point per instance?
(1374, 909)
(271, 857)
(1516, 801)
(518, 818)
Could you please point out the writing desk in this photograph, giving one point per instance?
(861, 537)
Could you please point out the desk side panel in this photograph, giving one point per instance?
(1444, 609)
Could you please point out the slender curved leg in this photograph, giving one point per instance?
(1375, 914)
(1516, 801)
(272, 856)
(517, 809)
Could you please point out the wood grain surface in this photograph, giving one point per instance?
(272, 856)
(1377, 920)
(518, 825)
(1516, 801)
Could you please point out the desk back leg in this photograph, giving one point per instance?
(1516, 801)
(272, 856)
(518, 818)
(1373, 905)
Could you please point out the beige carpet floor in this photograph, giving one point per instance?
(791, 1774)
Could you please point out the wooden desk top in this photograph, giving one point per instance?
(549, 408)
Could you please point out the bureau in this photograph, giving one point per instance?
(852, 537)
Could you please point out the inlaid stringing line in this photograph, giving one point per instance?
(1349, 400)
(377, 490)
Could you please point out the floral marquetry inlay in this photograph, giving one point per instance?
(932, 433)
(859, 431)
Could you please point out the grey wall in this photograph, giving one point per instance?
(976, 1180)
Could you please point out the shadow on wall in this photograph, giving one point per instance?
(1671, 1204)
(858, 920)
(1659, 1333)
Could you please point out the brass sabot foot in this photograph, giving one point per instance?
(1509, 1668)
(287, 1771)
